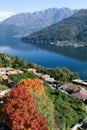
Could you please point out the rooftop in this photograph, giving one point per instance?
(79, 81)
(81, 94)
(70, 87)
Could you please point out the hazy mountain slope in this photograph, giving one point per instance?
(70, 29)
(32, 22)
(41, 18)
(11, 30)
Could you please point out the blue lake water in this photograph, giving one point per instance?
(74, 59)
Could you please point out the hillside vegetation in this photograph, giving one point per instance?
(67, 109)
(72, 29)
(60, 74)
(58, 108)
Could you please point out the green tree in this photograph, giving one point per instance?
(45, 107)
(1, 79)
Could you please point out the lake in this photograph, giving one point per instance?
(48, 56)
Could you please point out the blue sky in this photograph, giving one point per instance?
(10, 7)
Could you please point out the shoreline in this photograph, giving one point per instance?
(65, 44)
(57, 43)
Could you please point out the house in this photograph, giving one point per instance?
(19, 71)
(2, 93)
(43, 77)
(9, 71)
(69, 88)
(38, 74)
(47, 78)
(2, 71)
(81, 94)
(79, 82)
(12, 72)
(32, 70)
(4, 77)
(78, 92)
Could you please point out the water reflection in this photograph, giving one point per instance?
(49, 56)
(76, 53)
(15, 43)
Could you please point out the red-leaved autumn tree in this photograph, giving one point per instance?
(19, 111)
(34, 84)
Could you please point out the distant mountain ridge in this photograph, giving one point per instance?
(27, 23)
(72, 29)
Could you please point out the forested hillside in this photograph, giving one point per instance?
(72, 29)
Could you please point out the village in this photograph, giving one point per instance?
(76, 89)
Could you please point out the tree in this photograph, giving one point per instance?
(19, 111)
(45, 107)
(44, 104)
(34, 84)
(1, 79)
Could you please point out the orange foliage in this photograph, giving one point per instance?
(19, 111)
(34, 84)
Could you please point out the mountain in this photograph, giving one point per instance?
(10, 30)
(27, 23)
(68, 31)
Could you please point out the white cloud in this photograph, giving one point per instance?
(4, 15)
